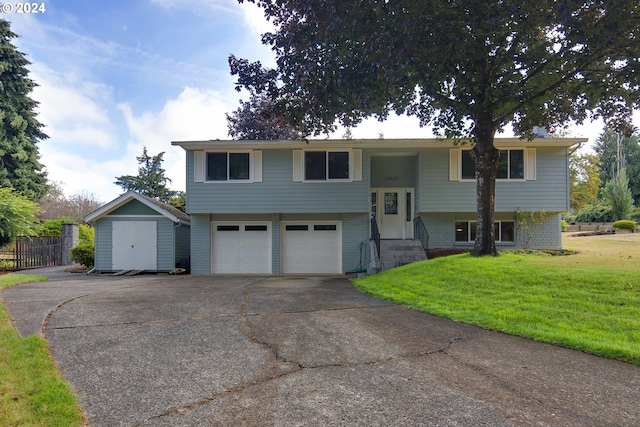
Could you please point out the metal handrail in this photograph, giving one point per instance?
(420, 233)
(375, 235)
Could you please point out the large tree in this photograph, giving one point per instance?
(20, 131)
(151, 180)
(467, 67)
(615, 149)
(584, 180)
(256, 119)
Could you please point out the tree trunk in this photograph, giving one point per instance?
(486, 158)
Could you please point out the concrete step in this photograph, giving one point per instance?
(394, 253)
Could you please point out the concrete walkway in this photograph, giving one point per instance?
(282, 351)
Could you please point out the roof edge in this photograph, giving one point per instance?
(125, 198)
(368, 143)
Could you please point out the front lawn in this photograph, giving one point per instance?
(31, 391)
(566, 301)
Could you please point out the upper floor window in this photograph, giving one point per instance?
(514, 164)
(326, 165)
(510, 165)
(314, 165)
(228, 167)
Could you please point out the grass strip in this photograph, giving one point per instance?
(32, 393)
(595, 310)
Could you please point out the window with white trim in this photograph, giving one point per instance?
(510, 165)
(326, 165)
(518, 164)
(227, 166)
(466, 231)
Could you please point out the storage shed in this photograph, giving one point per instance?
(137, 233)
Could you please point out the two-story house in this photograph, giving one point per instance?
(279, 207)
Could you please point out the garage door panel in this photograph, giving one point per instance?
(241, 248)
(311, 248)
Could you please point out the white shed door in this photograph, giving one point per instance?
(134, 245)
(241, 248)
(310, 248)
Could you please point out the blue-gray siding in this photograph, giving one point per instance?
(549, 191)
(277, 192)
(441, 229)
(200, 244)
(439, 200)
(435, 192)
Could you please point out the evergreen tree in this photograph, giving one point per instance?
(607, 148)
(20, 131)
(150, 180)
(617, 193)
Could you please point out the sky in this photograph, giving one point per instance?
(115, 76)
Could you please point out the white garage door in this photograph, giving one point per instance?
(313, 247)
(134, 245)
(241, 248)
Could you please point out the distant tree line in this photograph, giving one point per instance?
(605, 186)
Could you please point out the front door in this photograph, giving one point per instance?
(393, 208)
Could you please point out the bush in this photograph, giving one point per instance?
(83, 255)
(625, 224)
(53, 227)
(595, 212)
(86, 234)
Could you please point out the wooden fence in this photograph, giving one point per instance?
(35, 252)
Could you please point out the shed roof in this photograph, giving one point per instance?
(163, 209)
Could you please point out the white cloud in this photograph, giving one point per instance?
(73, 111)
(193, 115)
(255, 20)
(395, 127)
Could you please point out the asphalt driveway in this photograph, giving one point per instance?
(310, 351)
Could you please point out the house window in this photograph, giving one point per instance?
(227, 167)
(510, 165)
(466, 231)
(326, 165)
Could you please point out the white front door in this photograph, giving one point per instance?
(134, 245)
(394, 212)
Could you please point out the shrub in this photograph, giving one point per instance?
(595, 212)
(83, 254)
(53, 227)
(625, 224)
(86, 234)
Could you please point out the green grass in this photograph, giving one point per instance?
(563, 300)
(31, 391)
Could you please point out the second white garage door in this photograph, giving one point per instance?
(313, 247)
(241, 248)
